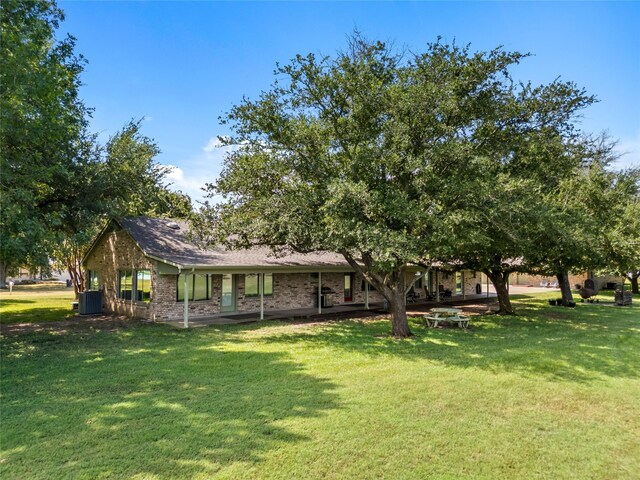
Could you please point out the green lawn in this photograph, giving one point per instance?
(552, 393)
(36, 303)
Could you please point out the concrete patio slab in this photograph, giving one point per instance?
(337, 311)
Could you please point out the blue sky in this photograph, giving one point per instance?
(183, 64)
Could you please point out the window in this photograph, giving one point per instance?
(94, 280)
(200, 287)
(251, 285)
(143, 285)
(268, 284)
(348, 287)
(125, 284)
(418, 283)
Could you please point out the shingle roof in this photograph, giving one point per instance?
(171, 245)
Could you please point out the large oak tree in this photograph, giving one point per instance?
(389, 159)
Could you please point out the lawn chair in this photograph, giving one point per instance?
(443, 292)
(412, 296)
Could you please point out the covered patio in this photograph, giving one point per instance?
(352, 310)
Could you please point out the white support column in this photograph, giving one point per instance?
(487, 286)
(319, 292)
(437, 288)
(261, 288)
(464, 290)
(366, 294)
(185, 313)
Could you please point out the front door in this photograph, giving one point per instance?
(459, 283)
(348, 287)
(228, 294)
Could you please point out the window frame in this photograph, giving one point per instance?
(259, 285)
(208, 282)
(136, 289)
(93, 275)
(120, 278)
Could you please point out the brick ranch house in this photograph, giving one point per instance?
(147, 268)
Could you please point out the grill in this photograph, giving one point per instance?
(588, 291)
(326, 297)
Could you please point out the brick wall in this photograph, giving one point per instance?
(448, 281)
(290, 290)
(117, 251)
(574, 279)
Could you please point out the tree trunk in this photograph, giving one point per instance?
(3, 275)
(500, 283)
(399, 322)
(565, 288)
(634, 282)
(392, 287)
(75, 272)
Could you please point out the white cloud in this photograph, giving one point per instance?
(191, 175)
(175, 174)
(215, 150)
(629, 149)
(212, 144)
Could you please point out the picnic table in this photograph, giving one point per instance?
(444, 314)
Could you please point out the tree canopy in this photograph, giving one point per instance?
(393, 159)
(42, 119)
(58, 183)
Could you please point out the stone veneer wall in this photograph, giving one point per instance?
(118, 251)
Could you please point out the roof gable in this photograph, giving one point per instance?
(166, 240)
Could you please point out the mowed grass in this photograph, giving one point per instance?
(36, 303)
(552, 393)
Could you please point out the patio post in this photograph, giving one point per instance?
(366, 294)
(464, 291)
(185, 313)
(487, 286)
(319, 292)
(261, 288)
(437, 287)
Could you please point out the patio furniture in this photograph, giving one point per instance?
(412, 296)
(444, 292)
(444, 315)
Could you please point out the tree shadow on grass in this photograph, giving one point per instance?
(145, 406)
(578, 345)
(6, 302)
(36, 315)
